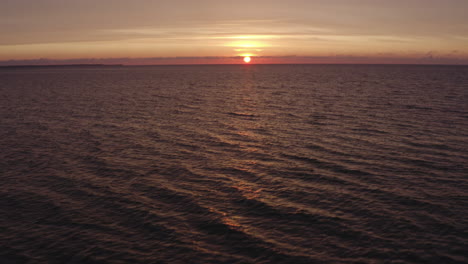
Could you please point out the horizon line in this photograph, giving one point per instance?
(221, 64)
(384, 59)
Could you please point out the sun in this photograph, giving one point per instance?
(247, 59)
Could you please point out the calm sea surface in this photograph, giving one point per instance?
(234, 164)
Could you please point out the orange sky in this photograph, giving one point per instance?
(209, 31)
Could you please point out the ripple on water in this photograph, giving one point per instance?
(228, 164)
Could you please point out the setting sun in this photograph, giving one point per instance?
(247, 59)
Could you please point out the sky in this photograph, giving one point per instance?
(221, 31)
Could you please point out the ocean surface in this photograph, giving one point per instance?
(234, 164)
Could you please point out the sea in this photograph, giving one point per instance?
(234, 164)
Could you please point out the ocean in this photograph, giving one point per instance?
(234, 164)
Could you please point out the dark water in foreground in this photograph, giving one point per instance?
(234, 164)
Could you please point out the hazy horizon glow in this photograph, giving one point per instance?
(415, 31)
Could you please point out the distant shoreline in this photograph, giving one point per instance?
(238, 64)
(61, 65)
